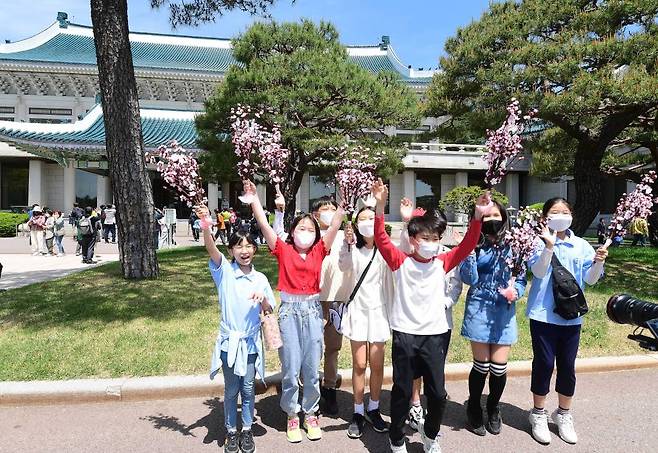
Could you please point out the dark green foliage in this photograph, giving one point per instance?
(8, 223)
(462, 199)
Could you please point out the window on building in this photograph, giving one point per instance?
(5, 109)
(6, 118)
(318, 188)
(85, 188)
(13, 184)
(428, 189)
(50, 120)
(47, 111)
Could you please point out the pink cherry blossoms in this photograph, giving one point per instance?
(633, 205)
(180, 170)
(504, 144)
(522, 239)
(355, 176)
(257, 148)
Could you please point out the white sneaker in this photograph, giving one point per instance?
(539, 425)
(401, 449)
(565, 427)
(416, 417)
(429, 445)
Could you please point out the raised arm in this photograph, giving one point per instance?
(391, 254)
(265, 228)
(279, 214)
(332, 231)
(208, 239)
(345, 254)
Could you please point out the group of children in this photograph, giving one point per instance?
(404, 294)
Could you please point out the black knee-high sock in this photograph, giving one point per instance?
(497, 381)
(476, 380)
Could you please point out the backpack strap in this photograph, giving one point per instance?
(363, 275)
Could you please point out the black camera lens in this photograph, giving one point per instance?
(625, 309)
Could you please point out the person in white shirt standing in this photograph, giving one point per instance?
(110, 227)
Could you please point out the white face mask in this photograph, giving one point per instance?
(559, 222)
(366, 228)
(304, 239)
(326, 217)
(428, 249)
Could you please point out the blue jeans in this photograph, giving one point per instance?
(244, 385)
(302, 330)
(58, 241)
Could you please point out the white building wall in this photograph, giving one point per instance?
(448, 182)
(395, 194)
(35, 185)
(538, 191)
(303, 194)
(53, 186)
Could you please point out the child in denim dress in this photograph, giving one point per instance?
(243, 293)
(489, 319)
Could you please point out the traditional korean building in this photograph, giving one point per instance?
(52, 140)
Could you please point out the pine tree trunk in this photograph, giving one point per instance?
(587, 177)
(131, 186)
(290, 194)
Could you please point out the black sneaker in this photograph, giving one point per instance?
(355, 430)
(231, 443)
(474, 416)
(495, 422)
(375, 419)
(330, 403)
(247, 444)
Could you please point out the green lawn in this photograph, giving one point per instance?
(95, 324)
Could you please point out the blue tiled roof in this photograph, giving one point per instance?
(156, 131)
(66, 48)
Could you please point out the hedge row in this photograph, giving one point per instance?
(8, 223)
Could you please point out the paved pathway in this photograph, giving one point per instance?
(21, 268)
(614, 412)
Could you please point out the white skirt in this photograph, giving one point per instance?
(366, 325)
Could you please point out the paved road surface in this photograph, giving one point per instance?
(614, 412)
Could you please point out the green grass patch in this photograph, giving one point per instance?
(96, 324)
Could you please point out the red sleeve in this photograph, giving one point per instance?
(391, 254)
(279, 248)
(458, 254)
(320, 249)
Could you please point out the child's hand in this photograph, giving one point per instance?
(406, 209)
(380, 192)
(601, 254)
(249, 188)
(349, 234)
(457, 236)
(483, 205)
(548, 238)
(259, 298)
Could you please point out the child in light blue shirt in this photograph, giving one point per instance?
(243, 294)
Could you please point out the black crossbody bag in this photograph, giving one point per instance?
(569, 299)
(338, 308)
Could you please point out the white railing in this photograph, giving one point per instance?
(423, 148)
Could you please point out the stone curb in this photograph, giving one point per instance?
(169, 387)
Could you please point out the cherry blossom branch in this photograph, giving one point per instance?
(636, 204)
(504, 144)
(180, 170)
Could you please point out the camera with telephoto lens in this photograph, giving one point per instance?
(625, 309)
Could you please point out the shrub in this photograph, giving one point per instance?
(9, 222)
(538, 206)
(461, 199)
(388, 228)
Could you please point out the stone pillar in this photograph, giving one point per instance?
(395, 193)
(512, 189)
(103, 192)
(35, 182)
(303, 195)
(69, 187)
(213, 196)
(461, 179)
(226, 192)
(447, 183)
(409, 185)
(261, 191)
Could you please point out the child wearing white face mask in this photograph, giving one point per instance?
(300, 260)
(418, 313)
(555, 340)
(366, 320)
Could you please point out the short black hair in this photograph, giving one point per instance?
(299, 218)
(552, 202)
(433, 221)
(88, 210)
(238, 236)
(360, 242)
(75, 205)
(323, 201)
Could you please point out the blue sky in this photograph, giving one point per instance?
(418, 29)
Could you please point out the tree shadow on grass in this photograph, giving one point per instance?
(102, 294)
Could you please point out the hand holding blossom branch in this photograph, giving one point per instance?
(180, 170)
(504, 144)
(636, 204)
